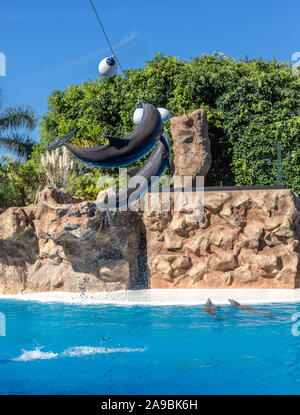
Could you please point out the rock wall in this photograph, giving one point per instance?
(66, 244)
(247, 238)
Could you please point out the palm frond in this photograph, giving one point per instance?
(18, 117)
(20, 144)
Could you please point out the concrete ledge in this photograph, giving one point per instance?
(164, 297)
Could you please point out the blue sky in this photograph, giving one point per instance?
(50, 45)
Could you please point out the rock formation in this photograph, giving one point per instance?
(191, 144)
(247, 238)
(66, 244)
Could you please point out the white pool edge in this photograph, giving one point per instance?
(164, 297)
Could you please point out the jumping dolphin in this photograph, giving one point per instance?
(235, 304)
(120, 151)
(209, 308)
(141, 179)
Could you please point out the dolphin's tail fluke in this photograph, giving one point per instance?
(62, 141)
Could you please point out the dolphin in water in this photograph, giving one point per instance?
(209, 308)
(120, 151)
(141, 179)
(235, 304)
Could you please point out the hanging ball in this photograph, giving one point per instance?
(138, 114)
(108, 67)
(165, 114)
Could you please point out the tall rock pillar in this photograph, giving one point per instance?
(191, 144)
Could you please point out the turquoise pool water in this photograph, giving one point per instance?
(82, 349)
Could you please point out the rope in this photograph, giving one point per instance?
(112, 51)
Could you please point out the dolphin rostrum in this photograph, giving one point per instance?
(141, 179)
(209, 308)
(120, 151)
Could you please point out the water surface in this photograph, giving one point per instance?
(57, 348)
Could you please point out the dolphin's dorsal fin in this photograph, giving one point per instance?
(116, 141)
(171, 165)
(234, 303)
(132, 172)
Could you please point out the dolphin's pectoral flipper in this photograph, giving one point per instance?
(132, 172)
(116, 141)
(171, 165)
(61, 141)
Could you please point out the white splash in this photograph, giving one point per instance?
(87, 350)
(77, 351)
(35, 354)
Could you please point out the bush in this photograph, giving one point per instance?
(251, 105)
(20, 183)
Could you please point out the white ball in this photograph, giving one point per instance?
(138, 114)
(108, 67)
(165, 114)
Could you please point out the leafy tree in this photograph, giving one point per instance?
(17, 180)
(251, 106)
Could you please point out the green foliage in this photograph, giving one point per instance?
(85, 185)
(88, 183)
(251, 105)
(20, 182)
